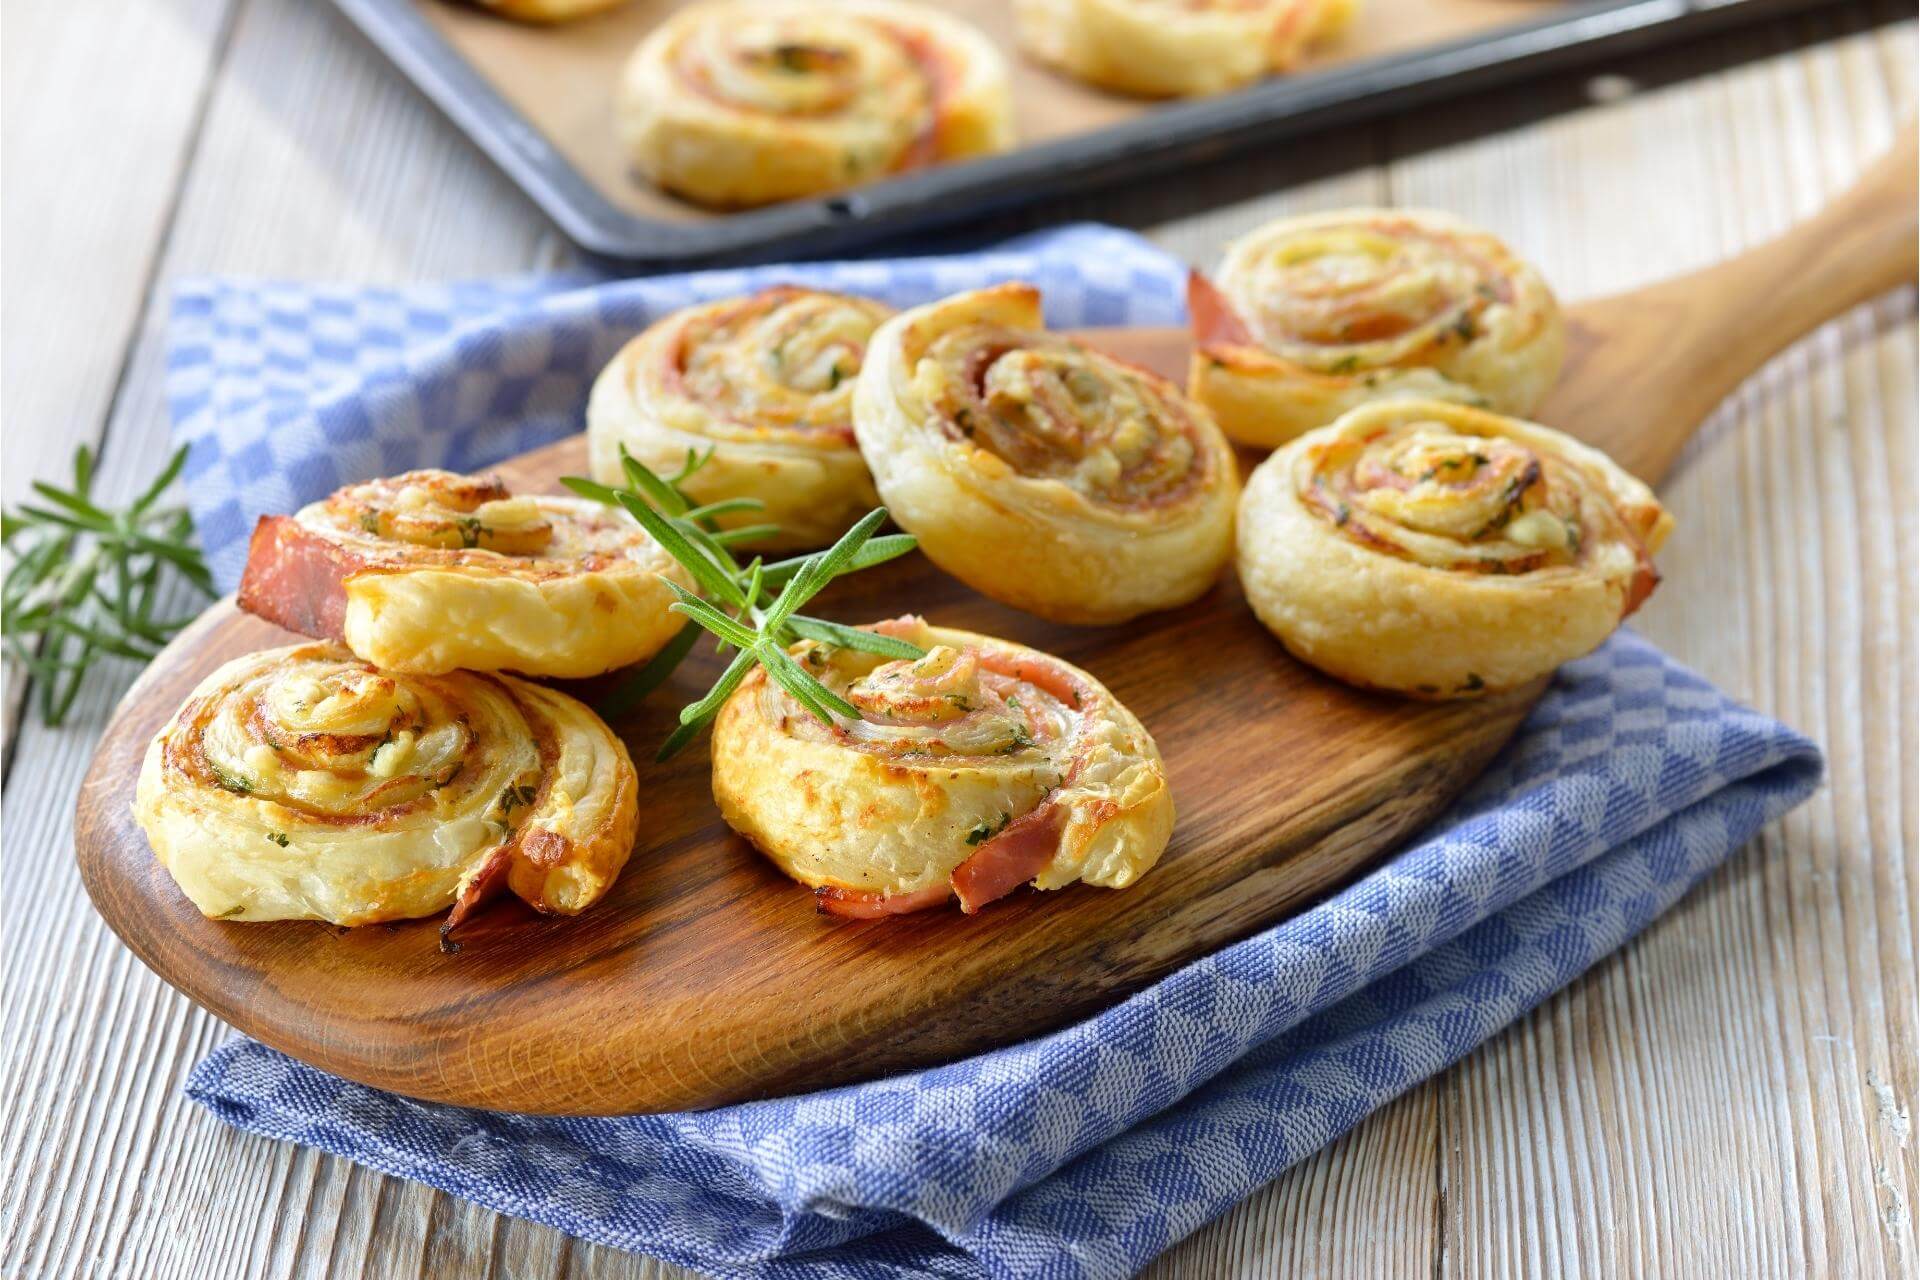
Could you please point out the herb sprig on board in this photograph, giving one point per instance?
(84, 579)
(752, 609)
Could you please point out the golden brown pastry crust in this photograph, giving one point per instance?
(430, 572)
(764, 382)
(303, 784)
(1176, 48)
(1443, 551)
(1044, 474)
(980, 767)
(1310, 317)
(743, 102)
(548, 11)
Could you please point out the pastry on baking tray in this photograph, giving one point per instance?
(981, 766)
(1175, 48)
(1042, 473)
(547, 10)
(303, 784)
(1443, 551)
(742, 102)
(431, 571)
(766, 383)
(1309, 317)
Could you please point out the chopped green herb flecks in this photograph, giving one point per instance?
(987, 830)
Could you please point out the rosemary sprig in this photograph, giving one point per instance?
(752, 608)
(84, 579)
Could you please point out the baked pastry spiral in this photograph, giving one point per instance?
(430, 572)
(766, 383)
(742, 102)
(1176, 48)
(303, 784)
(977, 768)
(1313, 316)
(547, 10)
(1444, 551)
(1044, 474)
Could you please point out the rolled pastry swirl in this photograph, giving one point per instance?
(303, 784)
(547, 10)
(1316, 315)
(430, 572)
(1044, 474)
(1176, 48)
(978, 768)
(1443, 551)
(742, 102)
(766, 382)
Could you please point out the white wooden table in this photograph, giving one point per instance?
(1728, 1096)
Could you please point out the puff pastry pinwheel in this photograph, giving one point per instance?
(1315, 315)
(977, 768)
(547, 10)
(1176, 48)
(1044, 474)
(766, 383)
(1444, 551)
(303, 784)
(430, 571)
(743, 102)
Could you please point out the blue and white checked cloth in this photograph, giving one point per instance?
(1082, 1154)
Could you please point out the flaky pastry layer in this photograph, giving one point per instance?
(303, 784)
(430, 572)
(980, 767)
(765, 383)
(1442, 551)
(1310, 317)
(743, 102)
(1038, 471)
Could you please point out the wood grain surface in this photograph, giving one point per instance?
(1731, 1094)
(707, 977)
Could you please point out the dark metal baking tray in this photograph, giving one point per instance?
(1154, 141)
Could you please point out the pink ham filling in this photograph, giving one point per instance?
(860, 904)
(1010, 859)
(1215, 322)
(990, 873)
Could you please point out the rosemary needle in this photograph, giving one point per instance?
(85, 579)
(753, 609)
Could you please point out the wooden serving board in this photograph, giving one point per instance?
(705, 977)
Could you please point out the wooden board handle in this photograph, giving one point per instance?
(1647, 367)
(1858, 247)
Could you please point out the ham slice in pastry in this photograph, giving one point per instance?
(430, 572)
(975, 769)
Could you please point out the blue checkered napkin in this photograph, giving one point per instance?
(1086, 1153)
(285, 392)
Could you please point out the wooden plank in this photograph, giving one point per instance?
(77, 254)
(1704, 1103)
(102, 168)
